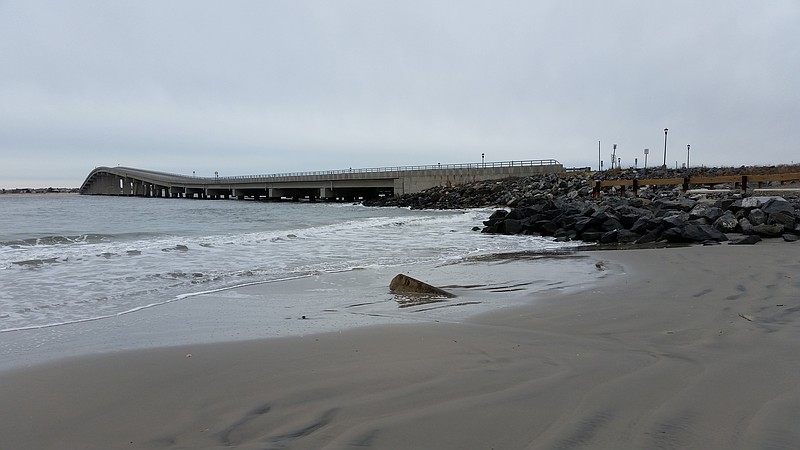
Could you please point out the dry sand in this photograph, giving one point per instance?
(693, 347)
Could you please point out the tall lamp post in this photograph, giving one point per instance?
(482, 163)
(614, 156)
(665, 147)
(688, 146)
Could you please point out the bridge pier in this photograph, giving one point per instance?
(107, 184)
(326, 194)
(275, 194)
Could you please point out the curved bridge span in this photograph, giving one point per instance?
(346, 185)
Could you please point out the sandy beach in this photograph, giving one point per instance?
(693, 347)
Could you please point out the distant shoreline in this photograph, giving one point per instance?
(40, 191)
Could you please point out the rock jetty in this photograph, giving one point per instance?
(562, 206)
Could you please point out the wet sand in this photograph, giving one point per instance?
(691, 347)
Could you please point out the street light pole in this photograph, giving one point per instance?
(688, 146)
(482, 163)
(614, 156)
(665, 147)
(599, 161)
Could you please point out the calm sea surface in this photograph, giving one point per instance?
(70, 259)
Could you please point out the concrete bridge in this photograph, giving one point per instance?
(343, 185)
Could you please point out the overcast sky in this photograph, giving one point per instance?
(248, 87)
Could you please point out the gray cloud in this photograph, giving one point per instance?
(245, 87)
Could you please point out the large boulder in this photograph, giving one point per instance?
(496, 216)
(681, 204)
(677, 220)
(690, 232)
(778, 204)
(650, 236)
(765, 230)
(746, 226)
(746, 240)
(757, 202)
(784, 218)
(705, 211)
(609, 237)
(591, 236)
(403, 284)
(612, 224)
(726, 223)
(626, 236)
(645, 224)
(757, 217)
(512, 226)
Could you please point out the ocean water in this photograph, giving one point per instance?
(68, 260)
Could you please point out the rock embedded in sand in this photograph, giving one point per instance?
(403, 284)
(747, 240)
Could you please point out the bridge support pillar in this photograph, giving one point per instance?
(275, 194)
(326, 193)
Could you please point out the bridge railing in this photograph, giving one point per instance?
(168, 176)
(397, 169)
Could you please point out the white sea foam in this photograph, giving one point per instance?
(139, 254)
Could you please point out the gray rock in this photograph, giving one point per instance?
(673, 221)
(645, 224)
(747, 240)
(591, 236)
(745, 226)
(765, 230)
(512, 226)
(681, 204)
(788, 237)
(612, 224)
(627, 236)
(693, 233)
(403, 284)
(758, 201)
(705, 211)
(609, 237)
(782, 217)
(726, 223)
(583, 224)
(757, 217)
(650, 236)
(546, 227)
(778, 204)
